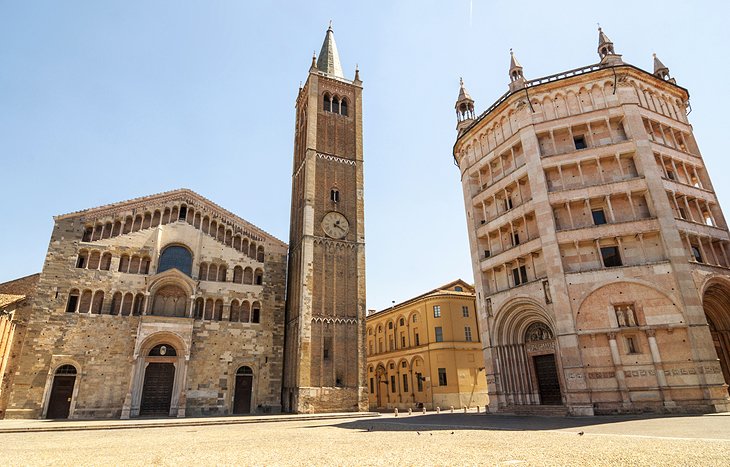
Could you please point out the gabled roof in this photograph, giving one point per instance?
(21, 286)
(181, 194)
(329, 59)
(446, 289)
(8, 299)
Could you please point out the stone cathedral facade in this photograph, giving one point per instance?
(600, 253)
(170, 305)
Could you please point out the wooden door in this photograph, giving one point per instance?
(547, 379)
(157, 389)
(242, 396)
(62, 390)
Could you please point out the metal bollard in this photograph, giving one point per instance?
(452, 409)
(424, 410)
(438, 409)
(395, 411)
(465, 409)
(410, 411)
(477, 409)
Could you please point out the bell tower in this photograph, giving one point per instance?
(324, 368)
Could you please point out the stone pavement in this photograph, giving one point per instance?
(24, 426)
(432, 439)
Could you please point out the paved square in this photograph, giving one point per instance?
(432, 439)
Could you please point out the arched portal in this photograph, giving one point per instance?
(244, 388)
(716, 304)
(59, 403)
(159, 378)
(525, 355)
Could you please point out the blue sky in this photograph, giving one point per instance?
(106, 101)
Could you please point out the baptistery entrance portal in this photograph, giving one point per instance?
(540, 347)
(159, 381)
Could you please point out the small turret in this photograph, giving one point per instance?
(464, 108)
(605, 50)
(516, 78)
(661, 71)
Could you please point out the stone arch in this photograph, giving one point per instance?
(513, 318)
(62, 370)
(170, 300)
(628, 281)
(716, 305)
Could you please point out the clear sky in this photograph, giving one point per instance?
(106, 101)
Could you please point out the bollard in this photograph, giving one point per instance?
(424, 410)
(395, 411)
(465, 409)
(452, 409)
(410, 411)
(438, 409)
(477, 409)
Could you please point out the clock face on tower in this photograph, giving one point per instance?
(335, 225)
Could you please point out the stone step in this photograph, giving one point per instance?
(540, 410)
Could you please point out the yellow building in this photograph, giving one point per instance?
(426, 352)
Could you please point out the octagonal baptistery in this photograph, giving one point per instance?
(166, 305)
(600, 252)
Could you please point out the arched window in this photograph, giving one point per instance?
(134, 265)
(97, 302)
(218, 314)
(106, 261)
(238, 275)
(147, 221)
(199, 306)
(260, 254)
(183, 213)
(327, 103)
(116, 303)
(256, 312)
(245, 312)
(222, 273)
(343, 107)
(138, 301)
(94, 259)
(203, 272)
(336, 105)
(73, 301)
(177, 257)
(88, 231)
(85, 301)
(248, 276)
(235, 314)
(83, 259)
(124, 263)
(244, 370)
(259, 277)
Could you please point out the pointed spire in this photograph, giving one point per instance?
(313, 66)
(329, 59)
(516, 77)
(464, 107)
(605, 46)
(463, 93)
(357, 74)
(660, 69)
(605, 50)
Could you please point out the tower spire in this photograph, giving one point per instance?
(516, 77)
(464, 107)
(329, 59)
(605, 50)
(660, 69)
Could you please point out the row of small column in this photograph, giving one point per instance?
(694, 180)
(685, 201)
(607, 199)
(506, 198)
(589, 133)
(601, 178)
(508, 266)
(705, 257)
(511, 227)
(491, 179)
(675, 145)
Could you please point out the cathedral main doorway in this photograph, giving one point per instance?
(59, 403)
(159, 379)
(244, 388)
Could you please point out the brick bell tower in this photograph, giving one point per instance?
(324, 368)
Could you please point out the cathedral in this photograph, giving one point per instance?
(170, 305)
(600, 253)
